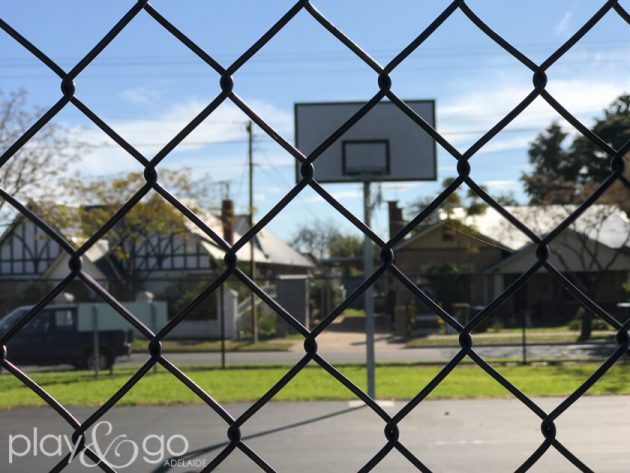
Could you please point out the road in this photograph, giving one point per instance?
(383, 353)
(487, 436)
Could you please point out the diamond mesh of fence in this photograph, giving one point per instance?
(392, 440)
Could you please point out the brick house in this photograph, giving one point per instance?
(477, 257)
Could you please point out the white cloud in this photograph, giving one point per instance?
(502, 184)
(563, 27)
(400, 186)
(464, 119)
(338, 195)
(139, 95)
(275, 161)
(507, 144)
(581, 97)
(149, 135)
(448, 168)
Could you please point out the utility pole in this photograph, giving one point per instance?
(252, 264)
(225, 189)
(368, 269)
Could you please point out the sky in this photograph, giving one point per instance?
(146, 85)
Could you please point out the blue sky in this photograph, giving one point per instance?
(147, 85)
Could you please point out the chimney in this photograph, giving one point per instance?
(227, 218)
(396, 222)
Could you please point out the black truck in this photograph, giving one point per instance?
(53, 337)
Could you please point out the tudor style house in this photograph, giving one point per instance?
(165, 263)
(472, 259)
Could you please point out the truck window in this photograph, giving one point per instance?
(64, 320)
(40, 324)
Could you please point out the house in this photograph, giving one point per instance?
(276, 256)
(173, 265)
(472, 259)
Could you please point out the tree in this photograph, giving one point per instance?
(469, 201)
(153, 221)
(555, 174)
(323, 239)
(507, 199)
(345, 246)
(564, 174)
(567, 175)
(35, 169)
(614, 129)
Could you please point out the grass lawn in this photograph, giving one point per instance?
(351, 312)
(249, 383)
(188, 346)
(534, 335)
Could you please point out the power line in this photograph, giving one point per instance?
(293, 56)
(276, 174)
(315, 70)
(263, 138)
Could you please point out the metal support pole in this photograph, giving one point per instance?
(95, 340)
(222, 308)
(524, 337)
(153, 326)
(252, 264)
(368, 269)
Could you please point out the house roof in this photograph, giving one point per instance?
(275, 250)
(605, 224)
(428, 229)
(268, 248)
(590, 256)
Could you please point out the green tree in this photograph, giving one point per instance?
(564, 174)
(151, 221)
(555, 173)
(567, 174)
(345, 246)
(614, 129)
(467, 200)
(507, 199)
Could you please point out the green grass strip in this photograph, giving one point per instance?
(213, 346)
(74, 388)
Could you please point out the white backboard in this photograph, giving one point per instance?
(385, 145)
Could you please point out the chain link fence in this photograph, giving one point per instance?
(392, 440)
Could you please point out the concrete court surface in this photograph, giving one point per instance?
(448, 436)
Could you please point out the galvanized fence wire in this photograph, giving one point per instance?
(384, 90)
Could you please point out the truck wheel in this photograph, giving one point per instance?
(104, 361)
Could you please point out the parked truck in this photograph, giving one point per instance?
(66, 334)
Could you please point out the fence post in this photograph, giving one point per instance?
(524, 337)
(222, 317)
(368, 267)
(95, 340)
(153, 325)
